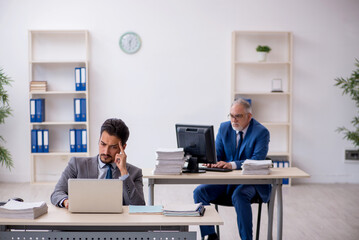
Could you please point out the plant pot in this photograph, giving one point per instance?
(262, 56)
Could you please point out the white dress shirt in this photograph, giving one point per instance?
(234, 165)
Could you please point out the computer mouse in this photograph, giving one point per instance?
(17, 199)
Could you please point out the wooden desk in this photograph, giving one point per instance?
(63, 224)
(235, 177)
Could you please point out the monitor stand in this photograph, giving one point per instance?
(192, 166)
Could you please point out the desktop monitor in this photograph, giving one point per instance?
(197, 141)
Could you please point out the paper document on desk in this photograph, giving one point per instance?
(256, 167)
(189, 210)
(140, 209)
(169, 161)
(169, 153)
(28, 210)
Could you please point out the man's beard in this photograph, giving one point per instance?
(237, 128)
(102, 157)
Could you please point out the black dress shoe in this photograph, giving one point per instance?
(213, 236)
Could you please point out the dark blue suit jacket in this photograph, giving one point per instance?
(254, 146)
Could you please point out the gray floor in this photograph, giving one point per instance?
(311, 211)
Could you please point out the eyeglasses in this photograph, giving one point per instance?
(235, 117)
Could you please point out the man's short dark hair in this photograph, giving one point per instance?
(116, 127)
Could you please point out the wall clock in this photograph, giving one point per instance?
(130, 42)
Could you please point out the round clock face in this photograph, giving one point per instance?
(130, 42)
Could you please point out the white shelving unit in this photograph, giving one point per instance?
(253, 79)
(53, 57)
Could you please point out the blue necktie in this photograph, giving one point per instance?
(238, 148)
(109, 171)
(240, 139)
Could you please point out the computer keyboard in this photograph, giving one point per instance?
(216, 169)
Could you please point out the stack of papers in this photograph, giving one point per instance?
(28, 210)
(184, 210)
(256, 167)
(169, 161)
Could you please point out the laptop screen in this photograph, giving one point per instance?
(95, 195)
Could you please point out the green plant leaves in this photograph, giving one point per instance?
(350, 87)
(5, 111)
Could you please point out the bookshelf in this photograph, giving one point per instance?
(252, 79)
(53, 57)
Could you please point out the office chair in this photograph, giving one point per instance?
(225, 201)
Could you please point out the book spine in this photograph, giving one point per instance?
(78, 138)
(84, 140)
(78, 79)
(77, 109)
(83, 79)
(72, 140)
(45, 133)
(33, 110)
(83, 109)
(39, 141)
(34, 141)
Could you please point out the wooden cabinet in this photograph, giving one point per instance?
(53, 57)
(252, 79)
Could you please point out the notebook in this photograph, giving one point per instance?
(95, 195)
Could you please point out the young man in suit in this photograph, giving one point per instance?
(111, 162)
(239, 139)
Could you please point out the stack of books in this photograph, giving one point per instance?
(169, 161)
(38, 86)
(184, 210)
(256, 167)
(28, 210)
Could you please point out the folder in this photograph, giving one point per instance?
(83, 79)
(40, 109)
(83, 109)
(285, 165)
(84, 140)
(77, 109)
(72, 140)
(249, 100)
(139, 209)
(32, 110)
(33, 140)
(78, 79)
(275, 164)
(39, 141)
(78, 137)
(45, 135)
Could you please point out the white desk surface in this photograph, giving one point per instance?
(62, 217)
(275, 173)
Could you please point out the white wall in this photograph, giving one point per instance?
(182, 72)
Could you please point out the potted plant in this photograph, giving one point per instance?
(262, 52)
(5, 111)
(351, 86)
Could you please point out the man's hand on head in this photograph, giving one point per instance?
(120, 160)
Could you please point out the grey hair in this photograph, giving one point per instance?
(241, 101)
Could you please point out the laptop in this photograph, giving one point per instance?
(95, 195)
